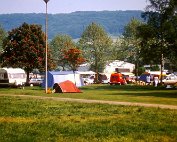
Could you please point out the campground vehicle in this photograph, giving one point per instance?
(35, 81)
(129, 77)
(12, 77)
(170, 80)
(104, 78)
(117, 78)
(88, 80)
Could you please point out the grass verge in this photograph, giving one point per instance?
(127, 93)
(23, 119)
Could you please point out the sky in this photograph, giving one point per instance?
(68, 6)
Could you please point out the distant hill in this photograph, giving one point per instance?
(74, 23)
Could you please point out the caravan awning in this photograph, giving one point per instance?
(85, 72)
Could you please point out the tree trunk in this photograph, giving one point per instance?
(27, 77)
(74, 77)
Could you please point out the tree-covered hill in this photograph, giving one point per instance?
(74, 23)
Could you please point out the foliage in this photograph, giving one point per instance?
(96, 45)
(128, 47)
(24, 47)
(73, 56)
(131, 40)
(58, 44)
(73, 24)
(2, 36)
(155, 68)
(139, 70)
(159, 34)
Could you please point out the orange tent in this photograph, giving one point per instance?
(66, 87)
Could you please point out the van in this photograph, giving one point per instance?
(12, 77)
(36, 81)
(117, 78)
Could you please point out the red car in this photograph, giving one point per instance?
(117, 78)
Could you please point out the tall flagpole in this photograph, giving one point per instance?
(46, 47)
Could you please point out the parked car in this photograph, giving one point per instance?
(88, 81)
(117, 78)
(105, 81)
(36, 81)
(170, 80)
(104, 78)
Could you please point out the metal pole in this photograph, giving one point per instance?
(161, 69)
(46, 49)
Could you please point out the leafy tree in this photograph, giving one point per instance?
(58, 44)
(2, 36)
(24, 47)
(155, 68)
(130, 43)
(127, 46)
(171, 33)
(159, 34)
(154, 30)
(73, 56)
(96, 45)
(119, 50)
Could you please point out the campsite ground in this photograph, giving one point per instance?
(32, 115)
(116, 93)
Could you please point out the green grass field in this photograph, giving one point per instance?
(25, 119)
(127, 93)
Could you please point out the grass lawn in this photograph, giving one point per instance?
(127, 93)
(42, 120)
(34, 120)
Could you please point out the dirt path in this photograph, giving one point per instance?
(97, 101)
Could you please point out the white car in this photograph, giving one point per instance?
(35, 81)
(170, 80)
(88, 81)
(105, 81)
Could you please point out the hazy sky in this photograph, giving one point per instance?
(67, 6)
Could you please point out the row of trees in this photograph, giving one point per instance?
(24, 47)
(159, 35)
(141, 43)
(155, 40)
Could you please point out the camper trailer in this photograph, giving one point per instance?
(12, 77)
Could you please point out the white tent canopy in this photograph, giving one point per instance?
(60, 76)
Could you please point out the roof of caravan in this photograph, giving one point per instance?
(62, 72)
(70, 72)
(13, 70)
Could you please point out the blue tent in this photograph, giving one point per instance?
(60, 76)
(143, 76)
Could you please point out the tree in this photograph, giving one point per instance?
(96, 45)
(74, 58)
(2, 36)
(171, 34)
(127, 46)
(159, 34)
(119, 50)
(24, 47)
(58, 44)
(133, 43)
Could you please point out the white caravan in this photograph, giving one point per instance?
(12, 77)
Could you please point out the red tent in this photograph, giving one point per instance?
(66, 87)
